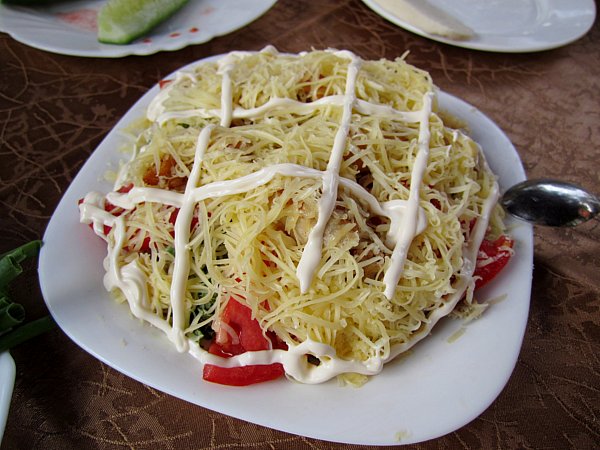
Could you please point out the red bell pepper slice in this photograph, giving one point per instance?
(492, 258)
(248, 337)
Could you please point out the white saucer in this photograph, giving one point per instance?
(511, 26)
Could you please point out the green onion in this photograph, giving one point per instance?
(26, 332)
(11, 315)
(10, 266)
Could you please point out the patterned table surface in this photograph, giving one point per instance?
(55, 109)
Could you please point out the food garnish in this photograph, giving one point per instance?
(13, 330)
(123, 21)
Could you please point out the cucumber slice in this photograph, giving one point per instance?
(123, 21)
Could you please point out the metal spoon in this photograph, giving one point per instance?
(550, 202)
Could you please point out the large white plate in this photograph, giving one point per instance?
(438, 388)
(70, 27)
(509, 25)
(7, 381)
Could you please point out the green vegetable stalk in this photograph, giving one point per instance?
(26, 332)
(12, 315)
(10, 263)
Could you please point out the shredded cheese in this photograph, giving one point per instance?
(321, 190)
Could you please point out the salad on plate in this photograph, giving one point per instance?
(309, 216)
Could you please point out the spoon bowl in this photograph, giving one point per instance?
(550, 202)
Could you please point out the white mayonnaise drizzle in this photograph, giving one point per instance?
(160, 116)
(183, 222)
(408, 229)
(225, 68)
(311, 256)
(407, 220)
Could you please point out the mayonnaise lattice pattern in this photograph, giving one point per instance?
(322, 190)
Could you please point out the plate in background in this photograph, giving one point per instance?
(70, 28)
(511, 26)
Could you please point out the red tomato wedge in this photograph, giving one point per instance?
(240, 333)
(109, 207)
(116, 211)
(248, 334)
(242, 376)
(492, 258)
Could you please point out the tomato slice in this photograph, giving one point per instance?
(116, 211)
(240, 333)
(492, 258)
(173, 218)
(242, 376)
(163, 83)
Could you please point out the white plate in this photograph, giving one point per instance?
(70, 27)
(510, 26)
(438, 388)
(7, 381)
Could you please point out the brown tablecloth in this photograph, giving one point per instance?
(55, 109)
